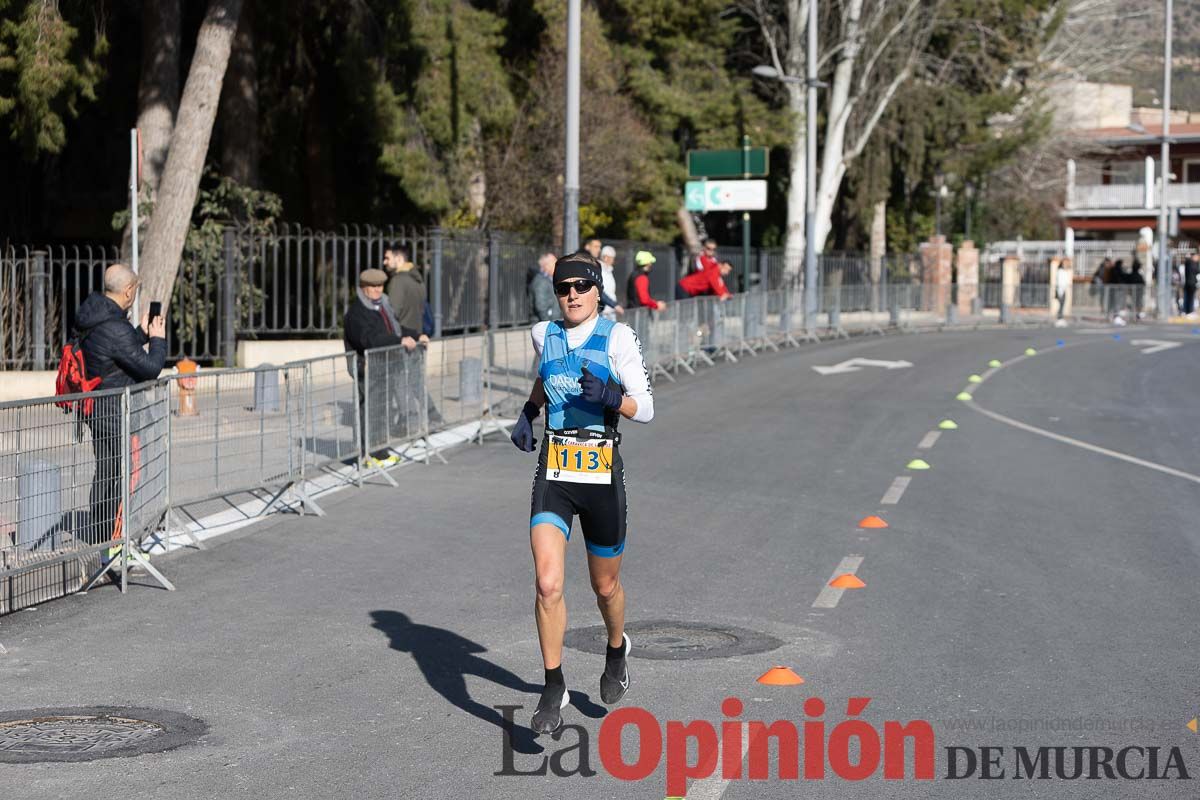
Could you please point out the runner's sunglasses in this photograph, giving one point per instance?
(581, 287)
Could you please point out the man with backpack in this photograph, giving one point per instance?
(114, 352)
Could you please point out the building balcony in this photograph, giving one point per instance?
(1131, 197)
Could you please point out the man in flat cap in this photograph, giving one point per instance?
(370, 323)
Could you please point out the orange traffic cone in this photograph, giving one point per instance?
(780, 676)
(847, 580)
(872, 522)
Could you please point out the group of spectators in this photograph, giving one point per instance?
(1122, 287)
(705, 275)
(389, 309)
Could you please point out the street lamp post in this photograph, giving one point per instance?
(571, 168)
(1164, 257)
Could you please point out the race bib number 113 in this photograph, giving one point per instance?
(580, 462)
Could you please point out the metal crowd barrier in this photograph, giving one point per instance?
(327, 390)
(75, 489)
(231, 431)
(1106, 302)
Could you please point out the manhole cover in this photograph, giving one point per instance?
(86, 734)
(664, 639)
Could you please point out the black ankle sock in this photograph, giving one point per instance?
(555, 676)
(615, 653)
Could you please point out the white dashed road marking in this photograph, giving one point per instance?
(930, 440)
(829, 596)
(895, 491)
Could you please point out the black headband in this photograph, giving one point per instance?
(577, 266)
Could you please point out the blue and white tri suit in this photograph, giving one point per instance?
(610, 351)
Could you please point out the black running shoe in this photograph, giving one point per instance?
(548, 717)
(614, 681)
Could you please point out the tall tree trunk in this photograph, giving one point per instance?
(688, 230)
(797, 197)
(158, 95)
(904, 39)
(841, 104)
(878, 248)
(239, 105)
(476, 174)
(189, 146)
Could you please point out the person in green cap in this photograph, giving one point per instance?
(637, 290)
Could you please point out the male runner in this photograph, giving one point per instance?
(590, 374)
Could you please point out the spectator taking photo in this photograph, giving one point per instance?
(115, 352)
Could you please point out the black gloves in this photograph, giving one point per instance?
(522, 435)
(596, 391)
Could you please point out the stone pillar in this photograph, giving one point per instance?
(967, 260)
(1010, 281)
(937, 264)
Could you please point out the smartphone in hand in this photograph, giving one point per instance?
(155, 310)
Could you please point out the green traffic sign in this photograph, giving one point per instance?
(726, 163)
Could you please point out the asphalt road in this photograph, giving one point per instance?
(1027, 592)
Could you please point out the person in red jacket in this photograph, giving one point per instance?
(705, 259)
(710, 281)
(637, 290)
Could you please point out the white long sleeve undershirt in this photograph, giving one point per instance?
(625, 361)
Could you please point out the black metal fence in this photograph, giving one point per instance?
(293, 282)
(40, 288)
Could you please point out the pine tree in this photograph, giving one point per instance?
(47, 68)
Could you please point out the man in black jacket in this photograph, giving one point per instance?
(370, 322)
(1191, 266)
(114, 351)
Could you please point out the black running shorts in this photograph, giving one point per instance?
(600, 506)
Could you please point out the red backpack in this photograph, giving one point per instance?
(72, 378)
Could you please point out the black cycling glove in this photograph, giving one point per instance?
(522, 435)
(597, 391)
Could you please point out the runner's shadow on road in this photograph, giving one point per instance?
(445, 659)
